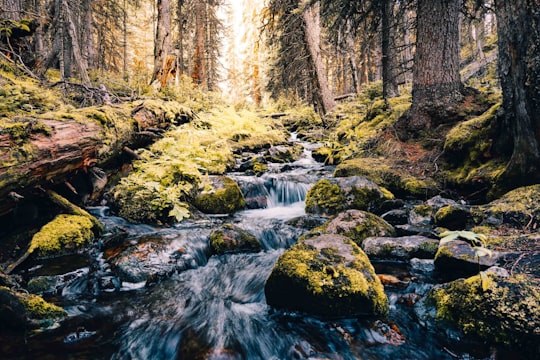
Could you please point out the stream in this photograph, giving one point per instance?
(195, 306)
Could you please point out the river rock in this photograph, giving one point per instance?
(331, 196)
(458, 258)
(232, 239)
(396, 217)
(283, 154)
(12, 312)
(421, 216)
(254, 190)
(453, 217)
(498, 310)
(327, 275)
(224, 197)
(518, 208)
(357, 225)
(401, 248)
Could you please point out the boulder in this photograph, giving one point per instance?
(331, 196)
(232, 239)
(401, 248)
(497, 309)
(453, 217)
(357, 225)
(458, 258)
(328, 275)
(283, 154)
(223, 197)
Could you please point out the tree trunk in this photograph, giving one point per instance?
(163, 42)
(389, 54)
(436, 79)
(72, 146)
(518, 23)
(11, 9)
(311, 19)
(199, 63)
(71, 29)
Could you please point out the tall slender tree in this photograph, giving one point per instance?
(163, 44)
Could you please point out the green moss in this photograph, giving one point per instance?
(259, 168)
(231, 239)
(37, 308)
(506, 312)
(65, 233)
(326, 196)
(423, 210)
(226, 199)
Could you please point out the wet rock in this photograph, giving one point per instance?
(498, 310)
(438, 202)
(396, 217)
(409, 230)
(458, 258)
(255, 192)
(357, 225)
(232, 239)
(401, 248)
(12, 312)
(225, 197)
(422, 266)
(327, 275)
(518, 209)
(331, 196)
(43, 285)
(453, 217)
(307, 222)
(283, 154)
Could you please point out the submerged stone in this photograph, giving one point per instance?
(328, 275)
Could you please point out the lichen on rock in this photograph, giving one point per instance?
(328, 275)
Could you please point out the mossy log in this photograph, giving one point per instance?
(49, 149)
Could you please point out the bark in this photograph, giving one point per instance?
(518, 24)
(71, 29)
(199, 63)
(389, 54)
(11, 9)
(311, 19)
(163, 42)
(352, 58)
(71, 147)
(436, 79)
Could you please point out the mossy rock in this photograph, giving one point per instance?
(498, 310)
(328, 275)
(384, 173)
(331, 196)
(518, 208)
(357, 225)
(232, 239)
(12, 311)
(63, 235)
(452, 217)
(402, 248)
(283, 154)
(39, 309)
(223, 197)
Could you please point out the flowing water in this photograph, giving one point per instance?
(196, 306)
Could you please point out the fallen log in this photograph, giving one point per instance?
(48, 150)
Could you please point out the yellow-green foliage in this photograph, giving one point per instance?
(37, 308)
(167, 111)
(506, 312)
(63, 234)
(190, 94)
(171, 170)
(20, 95)
(325, 196)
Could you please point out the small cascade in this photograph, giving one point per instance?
(286, 192)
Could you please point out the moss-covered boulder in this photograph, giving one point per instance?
(328, 275)
(518, 208)
(331, 196)
(39, 309)
(498, 310)
(283, 154)
(12, 312)
(458, 258)
(222, 196)
(64, 234)
(357, 225)
(384, 173)
(232, 239)
(401, 248)
(453, 217)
